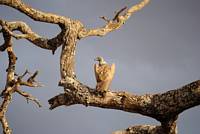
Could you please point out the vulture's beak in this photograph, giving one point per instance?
(96, 59)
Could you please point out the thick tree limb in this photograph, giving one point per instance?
(142, 129)
(161, 107)
(36, 14)
(169, 128)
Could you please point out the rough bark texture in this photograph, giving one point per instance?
(164, 107)
(14, 81)
(161, 107)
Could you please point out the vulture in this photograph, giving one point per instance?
(104, 74)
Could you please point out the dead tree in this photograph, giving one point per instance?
(164, 107)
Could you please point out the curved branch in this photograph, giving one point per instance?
(36, 14)
(115, 23)
(29, 97)
(27, 33)
(7, 38)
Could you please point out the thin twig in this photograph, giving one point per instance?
(29, 97)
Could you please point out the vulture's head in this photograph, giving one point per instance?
(100, 60)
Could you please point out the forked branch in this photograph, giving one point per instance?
(13, 83)
(163, 107)
(114, 23)
(27, 33)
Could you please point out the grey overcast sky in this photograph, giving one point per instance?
(155, 51)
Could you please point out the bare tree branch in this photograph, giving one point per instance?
(142, 129)
(164, 107)
(169, 128)
(28, 34)
(113, 24)
(159, 106)
(36, 14)
(117, 16)
(12, 83)
(5, 126)
(29, 97)
(7, 37)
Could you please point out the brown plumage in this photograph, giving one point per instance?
(104, 74)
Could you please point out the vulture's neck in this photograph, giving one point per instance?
(102, 63)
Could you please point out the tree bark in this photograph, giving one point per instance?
(164, 107)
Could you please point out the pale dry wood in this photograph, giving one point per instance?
(13, 83)
(27, 33)
(142, 129)
(29, 97)
(163, 107)
(36, 14)
(3, 119)
(115, 23)
(169, 127)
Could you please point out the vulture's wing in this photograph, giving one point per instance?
(104, 72)
(104, 75)
(112, 71)
(96, 71)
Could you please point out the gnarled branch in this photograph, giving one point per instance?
(158, 106)
(28, 34)
(164, 107)
(36, 14)
(142, 129)
(12, 83)
(115, 23)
